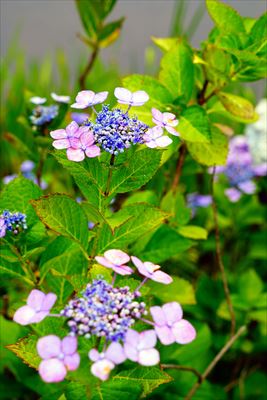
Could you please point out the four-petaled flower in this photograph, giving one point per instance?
(106, 361)
(152, 271)
(79, 141)
(154, 138)
(165, 120)
(59, 356)
(139, 347)
(88, 98)
(125, 96)
(170, 325)
(37, 308)
(116, 260)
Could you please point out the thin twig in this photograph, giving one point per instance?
(215, 361)
(219, 257)
(183, 368)
(179, 166)
(88, 67)
(111, 163)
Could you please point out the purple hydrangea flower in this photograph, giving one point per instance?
(43, 115)
(60, 98)
(139, 347)
(104, 362)
(196, 200)
(79, 118)
(14, 222)
(170, 325)
(27, 166)
(88, 98)
(37, 308)
(165, 120)
(79, 142)
(116, 260)
(59, 356)
(151, 271)
(125, 96)
(154, 138)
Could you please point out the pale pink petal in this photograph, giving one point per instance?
(155, 132)
(161, 277)
(117, 257)
(87, 138)
(139, 98)
(83, 129)
(248, 187)
(75, 154)
(58, 134)
(124, 96)
(103, 261)
(100, 97)
(170, 119)
(49, 301)
(72, 129)
(157, 116)
(132, 337)
(152, 144)
(92, 151)
(163, 141)
(158, 315)
(61, 144)
(85, 97)
(122, 269)
(165, 334)
(24, 315)
(79, 106)
(52, 370)
(140, 266)
(147, 339)
(101, 369)
(148, 357)
(38, 317)
(60, 98)
(115, 353)
(261, 169)
(75, 143)
(172, 131)
(49, 346)
(173, 312)
(72, 362)
(69, 345)
(35, 299)
(93, 355)
(183, 332)
(233, 194)
(130, 352)
(37, 100)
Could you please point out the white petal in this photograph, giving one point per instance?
(148, 357)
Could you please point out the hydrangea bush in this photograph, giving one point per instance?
(131, 223)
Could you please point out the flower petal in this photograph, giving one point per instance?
(69, 345)
(130, 352)
(100, 97)
(115, 353)
(61, 144)
(49, 301)
(72, 129)
(60, 98)
(58, 134)
(147, 339)
(122, 269)
(148, 357)
(35, 299)
(173, 312)
(170, 119)
(260, 170)
(87, 138)
(172, 131)
(24, 315)
(165, 334)
(49, 346)
(92, 151)
(123, 95)
(38, 317)
(233, 194)
(248, 187)
(93, 355)
(117, 257)
(101, 369)
(158, 315)
(52, 370)
(183, 332)
(140, 266)
(139, 98)
(161, 277)
(163, 141)
(157, 116)
(72, 362)
(132, 337)
(37, 100)
(103, 261)
(85, 97)
(75, 154)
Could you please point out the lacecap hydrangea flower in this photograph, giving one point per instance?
(240, 169)
(114, 130)
(107, 312)
(14, 222)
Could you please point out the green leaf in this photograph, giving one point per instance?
(164, 244)
(218, 108)
(138, 219)
(145, 196)
(174, 203)
(25, 349)
(148, 378)
(194, 125)
(165, 44)
(113, 390)
(193, 232)
(64, 216)
(237, 106)
(259, 32)
(250, 286)
(177, 71)
(179, 290)
(213, 153)
(218, 65)
(110, 33)
(225, 17)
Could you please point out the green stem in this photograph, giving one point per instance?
(111, 163)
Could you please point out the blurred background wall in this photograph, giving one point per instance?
(43, 26)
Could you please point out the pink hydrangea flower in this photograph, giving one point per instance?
(88, 98)
(79, 142)
(59, 356)
(125, 96)
(116, 260)
(165, 120)
(154, 138)
(37, 308)
(139, 347)
(170, 325)
(106, 361)
(151, 271)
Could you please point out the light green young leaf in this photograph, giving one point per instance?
(194, 125)
(165, 44)
(193, 232)
(225, 17)
(238, 106)
(179, 290)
